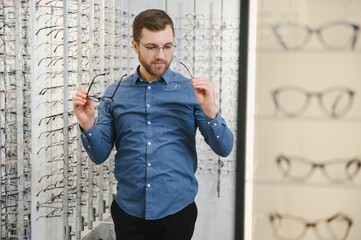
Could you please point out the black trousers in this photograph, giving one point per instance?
(179, 226)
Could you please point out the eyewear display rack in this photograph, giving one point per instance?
(15, 129)
(303, 124)
(49, 49)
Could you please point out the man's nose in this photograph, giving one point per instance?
(161, 52)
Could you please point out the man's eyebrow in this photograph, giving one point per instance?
(157, 44)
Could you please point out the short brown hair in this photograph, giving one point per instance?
(151, 19)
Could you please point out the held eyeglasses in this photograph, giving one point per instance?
(96, 98)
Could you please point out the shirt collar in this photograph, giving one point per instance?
(163, 79)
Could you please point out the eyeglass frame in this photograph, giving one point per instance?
(151, 47)
(308, 95)
(274, 215)
(98, 99)
(322, 166)
(317, 31)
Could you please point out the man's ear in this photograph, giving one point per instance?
(135, 46)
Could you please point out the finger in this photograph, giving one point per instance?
(80, 98)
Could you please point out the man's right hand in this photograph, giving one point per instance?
(84, 110)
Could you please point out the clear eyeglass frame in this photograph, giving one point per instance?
(153, 49)
(338, 171)
(336, 35)
(293, 101)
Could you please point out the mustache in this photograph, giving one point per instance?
(159, 61)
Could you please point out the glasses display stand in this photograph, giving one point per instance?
(306, 174)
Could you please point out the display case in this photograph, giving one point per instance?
(303, 122)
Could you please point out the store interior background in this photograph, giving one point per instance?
(49, 188)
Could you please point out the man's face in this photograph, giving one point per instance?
(155, 52)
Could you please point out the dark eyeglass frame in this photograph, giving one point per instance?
(189, 72)
(98, 99)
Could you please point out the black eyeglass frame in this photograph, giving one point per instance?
(98, 99)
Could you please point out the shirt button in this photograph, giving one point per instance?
(217, 136)
(149, 87)
(149, 164)
(149, 122)
(148, 185)
(214, 124)
(209, 123)
(148, 105)
(149, 143)
(90, 134)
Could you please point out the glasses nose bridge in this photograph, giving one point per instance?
(158, 48)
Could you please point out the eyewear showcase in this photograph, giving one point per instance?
(306, 162)
(51, 49)
(302, 133)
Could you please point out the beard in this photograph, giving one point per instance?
(152, 68)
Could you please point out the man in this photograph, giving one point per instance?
(151, 118)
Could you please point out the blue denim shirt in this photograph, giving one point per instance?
(153, 128)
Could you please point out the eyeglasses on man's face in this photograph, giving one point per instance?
(335, 35)
(153, 49)
(95, 98)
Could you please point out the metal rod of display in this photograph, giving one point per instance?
(78, 216)
(241, 122)
(2, 119)
(66, 232)
(19, 118)
(219, 161)
(130, 33)
(90, 211)
(112, 74)
(194, 39)
(102, 84)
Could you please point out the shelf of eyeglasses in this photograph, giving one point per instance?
(296, 36)
(307, 118)
(284, 183)
(306, 51)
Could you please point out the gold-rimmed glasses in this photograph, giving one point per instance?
(153, 49)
